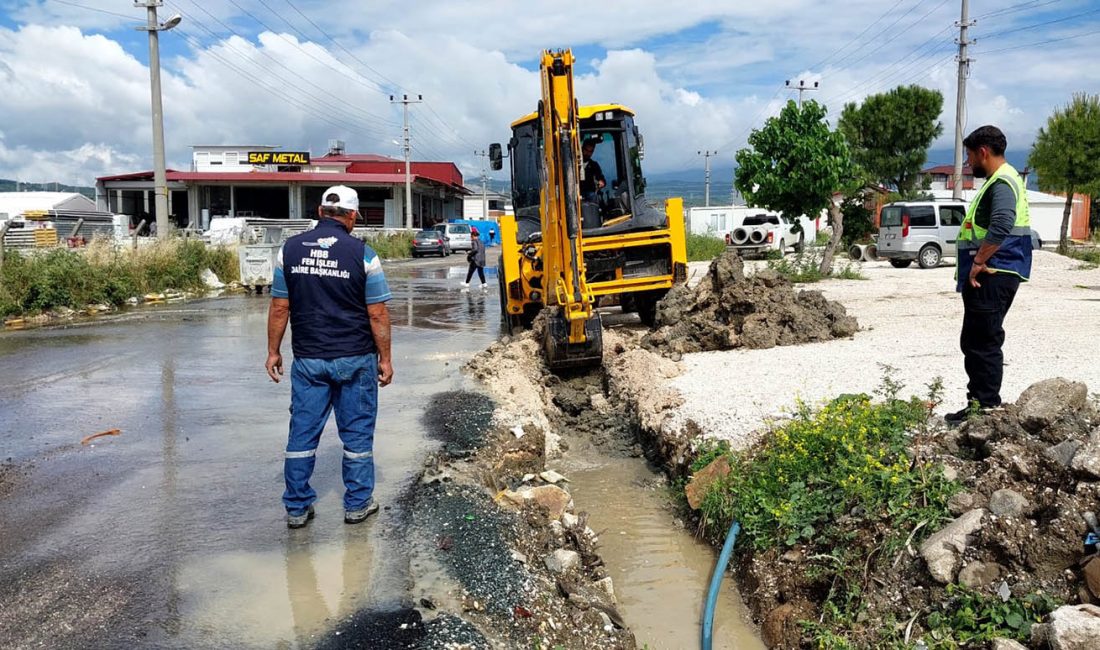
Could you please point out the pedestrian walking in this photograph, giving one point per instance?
(994, 257)
(330, 286)
(476, 258)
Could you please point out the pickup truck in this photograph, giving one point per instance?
(760, 233)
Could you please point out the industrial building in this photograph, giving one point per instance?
(262, 181)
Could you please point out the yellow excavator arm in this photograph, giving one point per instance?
(573, 335)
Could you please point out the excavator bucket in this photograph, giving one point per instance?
(563, 355)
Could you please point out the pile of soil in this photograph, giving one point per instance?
(729, 310)
(1028, 474)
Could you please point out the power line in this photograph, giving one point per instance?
(1034, 4)
(96, 9)
(1038, 25)
(859, 36)
(371, 117)
(885, 42)
(900, 67)
(352, 112)
(1037, 43)
(393, 83)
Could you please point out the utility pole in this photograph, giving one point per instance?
(484, 180)
(706, 175)
(405, 101)
(960, 101)
(160, 180)
(803, 87)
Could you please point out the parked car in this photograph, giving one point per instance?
(924, 231)
(761, 233)
(457, 235)
(430, 242)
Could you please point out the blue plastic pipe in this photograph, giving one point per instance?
(716, 583)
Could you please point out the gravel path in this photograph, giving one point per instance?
(909, 319)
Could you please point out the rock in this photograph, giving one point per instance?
(1006, 644)
(1050, 400)
(606, 621)
(561, 561)
(1086, 461)
(950, 473)
(1063, 452)
(978, 575)
(943, 550)
(519, 557)
(550, 476)
(1073, 627)
(605, 585)
(697, 488)
(569, 520)
(1008, 503)
(599, 402)
(961, 503)
(551, 497)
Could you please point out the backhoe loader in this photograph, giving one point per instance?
(583, 235)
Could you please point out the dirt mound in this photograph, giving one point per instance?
(729, 310)
(1028, 475)
(459, 419)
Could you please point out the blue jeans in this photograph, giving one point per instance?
(348, 385)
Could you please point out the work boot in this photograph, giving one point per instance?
(465, 287)
(360, 515)
(299, 521)
(973, 410)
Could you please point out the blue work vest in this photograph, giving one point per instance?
(325, 279)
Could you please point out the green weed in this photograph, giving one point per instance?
(703, 248)
(390, 246)
(970, 618)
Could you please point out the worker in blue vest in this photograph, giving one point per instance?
(331, 288)
(994, 257)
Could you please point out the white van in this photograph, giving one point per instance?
(924, 231)
(457, 235)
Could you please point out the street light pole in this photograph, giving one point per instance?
(160, 180)
(706, 178)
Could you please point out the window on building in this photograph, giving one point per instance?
(202, 159)
(232, 158)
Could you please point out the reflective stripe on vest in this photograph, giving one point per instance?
(1014, 254)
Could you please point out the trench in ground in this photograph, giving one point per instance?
(660, 570)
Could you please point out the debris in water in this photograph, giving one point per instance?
(101, 434)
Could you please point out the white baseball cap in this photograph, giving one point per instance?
(341, 196)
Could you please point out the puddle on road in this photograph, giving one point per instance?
(660, 571)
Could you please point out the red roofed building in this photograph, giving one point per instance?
(942, 177)
(262, 181)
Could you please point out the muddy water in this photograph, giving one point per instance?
(172, 533)
(660, 571)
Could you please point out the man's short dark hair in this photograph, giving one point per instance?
(987, 136)
(332, 210)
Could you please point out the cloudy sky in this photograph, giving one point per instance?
(74, 79)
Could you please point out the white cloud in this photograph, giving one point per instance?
(472, 62)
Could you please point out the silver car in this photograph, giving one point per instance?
(457, 235)
(924, 231)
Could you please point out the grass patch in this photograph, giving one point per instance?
(838, 482)
(102, 274)
(805, 267)
(703, 248)
(1089, 256)
(970, 618)
(391, 246)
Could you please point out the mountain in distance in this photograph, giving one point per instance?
(8, 185)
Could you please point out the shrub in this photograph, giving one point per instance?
(390, 246)
(703, 248)
(41, 280)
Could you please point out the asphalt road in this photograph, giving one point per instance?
(171, 534)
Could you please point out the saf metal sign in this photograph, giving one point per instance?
(278, 157)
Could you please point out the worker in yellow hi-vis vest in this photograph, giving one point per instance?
(994, 258)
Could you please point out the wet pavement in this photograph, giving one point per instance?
(171, 534)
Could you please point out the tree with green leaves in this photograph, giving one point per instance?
(794, 166)
(1066, 154)
(889, 134)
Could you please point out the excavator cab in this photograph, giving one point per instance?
(583, 234)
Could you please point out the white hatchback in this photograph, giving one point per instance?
(457, 235)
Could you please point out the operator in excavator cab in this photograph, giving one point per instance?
(593, 180)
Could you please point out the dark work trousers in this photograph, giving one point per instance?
(983, 334)
(480, 272)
